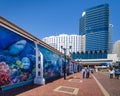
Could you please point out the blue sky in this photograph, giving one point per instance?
(44, 18)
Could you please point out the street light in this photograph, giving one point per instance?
(65, 50)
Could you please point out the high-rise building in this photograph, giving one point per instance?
(82, 24)
(110, 44)
(116, 48)
(94, 24)
(66, 41)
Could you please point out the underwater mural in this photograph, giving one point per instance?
(51, 63)
(17, 58)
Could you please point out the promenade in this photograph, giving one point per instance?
(112, 86)
(98, 84)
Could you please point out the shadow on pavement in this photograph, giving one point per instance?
(15, 91)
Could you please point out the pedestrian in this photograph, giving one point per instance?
(87, 72)
(117, 73)
(92, 71)
(111, 73)
(83, 73)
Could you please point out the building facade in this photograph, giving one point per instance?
(94, 25)
(110, 44)
(66, 41)
(116, 49)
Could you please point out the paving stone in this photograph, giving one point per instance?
(88, 87)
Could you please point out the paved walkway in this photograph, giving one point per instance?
(98, 84)
(112, 86)
(74, 85)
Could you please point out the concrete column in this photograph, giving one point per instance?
(39, 67)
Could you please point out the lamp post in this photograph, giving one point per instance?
(65, 50)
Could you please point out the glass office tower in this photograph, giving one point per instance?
(94, 24)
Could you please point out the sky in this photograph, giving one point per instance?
(43, 18)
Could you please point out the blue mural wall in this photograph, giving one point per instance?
(17, 59)
(52, 63)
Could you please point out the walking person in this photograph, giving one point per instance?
(83, 73)
(117, 73)
(111, 73)
(87, 72)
